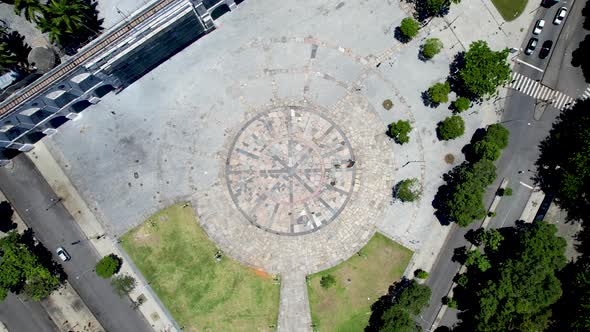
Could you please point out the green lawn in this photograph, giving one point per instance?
(510, 9)
(360, 281)
(177, 258)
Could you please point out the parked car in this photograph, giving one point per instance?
(530, 47)
(63, 254)
(545, 49)
(538, 27)
(560, 15)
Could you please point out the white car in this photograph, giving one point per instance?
(538, 27)
(63, 254)
(560, 15)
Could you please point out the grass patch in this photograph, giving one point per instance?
(178, 260)
(510, 9)
(360, 281)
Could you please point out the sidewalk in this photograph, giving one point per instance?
(64, 306)
(151, 307)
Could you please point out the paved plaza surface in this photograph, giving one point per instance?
(272, 126)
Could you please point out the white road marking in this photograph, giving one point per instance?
(526, 185)
(528, 64)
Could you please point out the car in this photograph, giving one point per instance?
(530, 47)
(560, 16)
(538, 27)
(545, 49)
(63, 254)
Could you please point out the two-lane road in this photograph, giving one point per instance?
(33, 199)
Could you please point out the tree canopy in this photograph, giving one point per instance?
(408, 190)
(483, 69)
(409, 27)
(108, 266)
(431, 47)
(451, 128)
(439, 92)
(461, 104)
(399, 131)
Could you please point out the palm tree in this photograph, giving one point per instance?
(63, 18)
(32, 8)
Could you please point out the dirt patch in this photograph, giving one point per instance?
(262, 274)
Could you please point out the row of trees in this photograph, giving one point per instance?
(68, 23)
(461, 198)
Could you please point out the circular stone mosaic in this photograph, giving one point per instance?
(290, 170)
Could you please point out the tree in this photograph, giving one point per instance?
(408, 190)
(461, 104)
(431, 47)
(63, 20)
(436, 7)
(439, 92)
(327, 281)
(491, 239)
(498, 134)
(483, 69)
(407, 301)
(488, 150)
(409, 27)
(108, 266)
(451, 128)
(399, 131)
(20, 270)
(123, 285)
(475, 258)
(33, 9)
(420, 274)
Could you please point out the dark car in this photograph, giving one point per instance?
(545, 49)
(530, 47)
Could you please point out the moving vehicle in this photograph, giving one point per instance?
(545, 49)
(560, 15)
(63, 254)
(538, 27)
(530, 47)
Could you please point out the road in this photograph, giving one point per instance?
(19, 315)
(517, 163)
(33, 199)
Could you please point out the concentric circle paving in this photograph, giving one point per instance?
(290, 170)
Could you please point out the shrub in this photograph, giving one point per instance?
(439, 92)
(387, 104)
(409, 27)
(487, 150)
(399, 131)
(123, 285)
(507, 192)
(431, 47)
(327, 281)
(108, 265)
(461, 104)
(450, 302)
(408, 190)
(420, 274)
(451, 128)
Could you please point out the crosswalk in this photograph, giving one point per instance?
(586, 94)
(539, 91)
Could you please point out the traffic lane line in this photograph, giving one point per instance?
(529, 65)
(526, 185)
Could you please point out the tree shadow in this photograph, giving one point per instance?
(44, 255)
(468, 150)
(427, 100)
(6, 213)
(581, 57)
(385, 302)
(439, 203)
(399, 36)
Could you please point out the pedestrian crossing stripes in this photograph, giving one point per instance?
(586, 94)
(541, 92)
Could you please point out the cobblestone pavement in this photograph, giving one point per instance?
(273, 127)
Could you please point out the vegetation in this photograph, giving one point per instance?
(399, 131)
(21, 270)
(420, 274)
(33, 9)
(505, 192)
(327, 281)
(108, 266)
(482, 70)
(407, 190)
(201, 293)
(409, 28)
(439, 92)
(512, 287)
(367, 275)
(63, 19)
(451, 128)
(13, 52)
(395, 311)
(438, 7)
(461, 104)
(123, 285)
(431, 47)
(510, 9)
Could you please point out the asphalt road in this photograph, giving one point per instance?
(18, 315)
(517, 163)
(33, 199)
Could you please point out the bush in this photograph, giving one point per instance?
(409, 27)
(451, 128)
(450, 302)
(387, 104)
(123, 285)
(399, 131)
(408, 190)
(439, 93)
(507, 192)
(327, 281)
(461, 104)
(108, 265)
(431, 47)
(420, 274)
